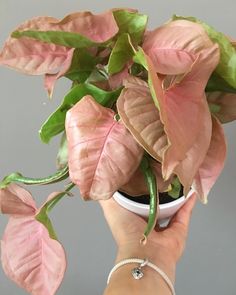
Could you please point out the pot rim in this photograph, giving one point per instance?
(161, 206)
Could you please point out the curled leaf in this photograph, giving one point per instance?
(139, 114)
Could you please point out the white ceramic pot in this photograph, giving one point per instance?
(166, 210)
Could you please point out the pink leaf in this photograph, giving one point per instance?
(213, 163)
(33, 57)
(36, 58)
(103, 155)
(225, 103)
(98, 28)
(15, 200)
(184, 111)
(140, 115)
(173, 47)
(31, 258)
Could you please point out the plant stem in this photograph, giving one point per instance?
(153, 190)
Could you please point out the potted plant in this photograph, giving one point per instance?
(143, 117)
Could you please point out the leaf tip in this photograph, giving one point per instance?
(15, 34)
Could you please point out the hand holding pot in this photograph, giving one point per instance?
(164, 248)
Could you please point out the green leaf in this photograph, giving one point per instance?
(55, 124)
(122, 52)
(42, 216)
(68, 39)
(227, 65)
(175, 188)
(216, 83)
(62, 156)
(132, 23)
(82, 65)
(18, 177)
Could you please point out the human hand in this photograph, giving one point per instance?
(165, 245)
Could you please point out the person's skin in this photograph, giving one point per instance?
(164, 248)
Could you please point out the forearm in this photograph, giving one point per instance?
(152, 283)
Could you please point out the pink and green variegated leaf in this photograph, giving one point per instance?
(139, 114)
(97, 28)
(222, 105)
(15, 200)
(33, 57)
(31, 258)
(173, 52)
(213, 163)
(183, 107)
(137, 185)
(102, 152)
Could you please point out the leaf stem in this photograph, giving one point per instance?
(17, 177)
(153, 190)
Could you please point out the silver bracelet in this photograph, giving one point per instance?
(137, 272)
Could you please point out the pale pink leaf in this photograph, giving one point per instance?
(36, 58)
(14, 200)
(225, 104)
(173, 47)
(140, 115)
(31, 258)
(103, 154)
(33, 57)
(184, 111)
(188, 167)
(213, 163)
(96, 27)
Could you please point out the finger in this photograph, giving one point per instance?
(181, 220)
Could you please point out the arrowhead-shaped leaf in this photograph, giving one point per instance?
(171, 51)
(139, 114)
(55, 124)
(31, 258)
(227, 65)
(183, 105)
(102, 152)
(213, 163)
(77, 30)
(34, 57)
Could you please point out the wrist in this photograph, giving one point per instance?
(153, 252)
